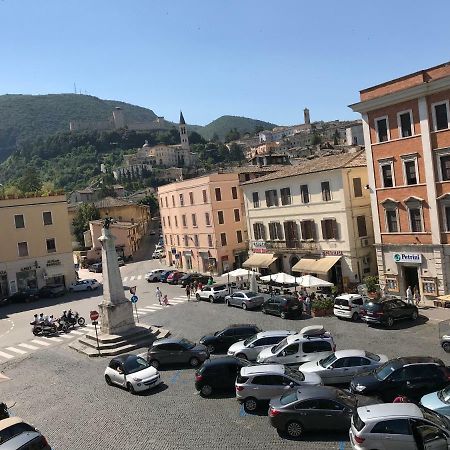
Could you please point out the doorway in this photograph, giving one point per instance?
(410, 278)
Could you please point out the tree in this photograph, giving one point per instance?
(30, 181)
(336, 137)
(151, 202)
(196, 138)
(232, 135)
(215, 138)
(316, 139)
(236, 153)
(258, 129)
(86, 212)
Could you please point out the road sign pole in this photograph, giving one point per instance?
(96, 336)
(137, 316)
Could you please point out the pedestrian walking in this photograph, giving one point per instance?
(188, 292)
(165, 300)
(158, 294)
(210, 281)
(409, 296)
(417, 296)
(307, 304)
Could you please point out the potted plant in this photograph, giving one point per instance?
(322, 307)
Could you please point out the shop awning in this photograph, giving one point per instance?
(260, 260)
(54, 271)
(313, 265)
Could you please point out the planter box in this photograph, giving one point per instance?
(322, 312)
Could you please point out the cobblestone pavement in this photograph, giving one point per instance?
(64, 394)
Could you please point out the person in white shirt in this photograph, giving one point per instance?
(158, 294)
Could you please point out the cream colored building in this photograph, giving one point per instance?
(35, 243)
(313, 218)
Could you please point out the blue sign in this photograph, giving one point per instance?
(134, 299)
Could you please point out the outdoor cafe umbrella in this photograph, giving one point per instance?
(240, 273)
(309, 281)
(281, 278)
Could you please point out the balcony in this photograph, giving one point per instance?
(293, 245)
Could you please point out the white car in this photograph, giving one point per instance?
(84, 285)
(157, 254)
(132, 373)
(212, 293)
(348, 306)
(154, 275)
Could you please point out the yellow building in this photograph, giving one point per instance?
(35, 243)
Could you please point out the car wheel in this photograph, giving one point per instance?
(154, 363)
(197, 296)
(446, 347)
(414, 315)
(241, 356)
(206, 390)
(294, 429)
(210, 348)
(244, 306)
(108, 380)
(390, 321)
(194, 362)
(211, 299)
(130, 388)
(355, 316)
(283, 315)
(250, 404)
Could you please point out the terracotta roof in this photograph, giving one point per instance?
(110, 202)
(255, 168)
(320, 164)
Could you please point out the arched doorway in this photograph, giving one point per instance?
(293, 261)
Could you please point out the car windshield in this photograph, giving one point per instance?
(444, 395)
(325, 362)
(279, 346)
(186, 344)
(436, 418)
(251, 339)
(289, 397)
(372, 356)
(135, 364)
(384, 371)
(294, 374)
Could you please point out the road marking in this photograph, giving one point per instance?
(177, 301)
(125, 279)
(55, 339)
(90, 325)
(37, 341)
(175, 377)
(132, 278)
(65, 336)
(5, 355)
(76, 332)
(16, 350)
(142, 311)
(28, 346)
(139, 277)
(157, 305)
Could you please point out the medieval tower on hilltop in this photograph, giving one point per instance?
(183, 133)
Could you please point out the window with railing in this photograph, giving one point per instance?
(291, 234)
(329, 229)
(275, 231)
(308, 228)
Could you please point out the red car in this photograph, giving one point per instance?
(174, 277)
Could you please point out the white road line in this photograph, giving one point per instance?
(142, 311)
(28, 346)
(180, 298)
(37, 341)
(125, 279)
(55, 339)
(132, 278)
(5, 355)
(16, 350)
(76, 332)
(139, 277)
(90, 325)
(174, 300)
(157, 305)
(65, 336)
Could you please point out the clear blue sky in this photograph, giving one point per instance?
(254, 58)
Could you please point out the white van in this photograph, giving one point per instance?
(348, 306)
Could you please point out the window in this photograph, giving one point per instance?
(210, 242)
(255, 200)
(285, 196)
(271, 198)
(168, 221)
(234, 193)
(410, 171)
(308, 228)
(173, 201)
(178, 240)
(259, 231)
(291, 349)
(275, 231)
(47, 218)
(19, 221)
(223, 239)
(196, 240)
(191, 198)
(357, 188)
(326, 194)
(205, 197)
(176, 221)
(329, 229)
(447, 218)
(382, 129)
(167, 205)
(391, 220)
(405, 128)
(181, 200)
(304, 193)
(186, 240)
(220, 217)
(164, 221)
(171, 240)
(218, 194)
(361, 223)
(194, 220)
(237, 215)
(316, 346)
(23, 248)
(184, 221)
(440, 115)
(445, 168)
(415, 218)
(239, 236)
(395, 426)
(387, 174)
(291, 233)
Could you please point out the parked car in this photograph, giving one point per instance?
(213, 293)
(256, 384)
(250, 347)
(223, 339)
(29, 295)
(174, 277)
(132, 372)
(164, 275)
(189, 278)
(84, 285)
(412, 376)
(15, 434)
(311, 343)
(96, 268)
(157, 254)
(438, 401)
(349, 306)
(52, 290)
(282, 305)
(395, 426)
(245, 299)
(388, 311)
(218, 375)
(176, 351)
(315, 408)
(154, 275)
(343, 365)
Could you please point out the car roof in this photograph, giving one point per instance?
(246, 291)
(167, 341)
(123, 358)
(407, 360)
(9, 422)
(307, 392)
(236, 325)
(19, 440)
(271, 333)
(389, 410)
(346, 353)
(348, 296)
(263, 369)
(220, 360)
(297, 337)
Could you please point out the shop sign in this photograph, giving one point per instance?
(259, 247)
(53, 262)
(414, 258)
(332, 253)
(26, 269)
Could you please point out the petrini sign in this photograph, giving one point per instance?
(412, 258)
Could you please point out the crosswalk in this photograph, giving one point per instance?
(39, 343)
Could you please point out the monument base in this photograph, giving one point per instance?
(116, 318)
(114, 344)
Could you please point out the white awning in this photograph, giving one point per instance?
(260, 260)
(312, 265)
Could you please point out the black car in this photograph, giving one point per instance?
(388, 311)
(191, 277)
(221, 340)
(163, 276)
(412, 377)
(282, 305)
(51, 291)
(27, 296)
(219, 375)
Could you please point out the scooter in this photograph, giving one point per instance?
(4, 413)
(41, 329)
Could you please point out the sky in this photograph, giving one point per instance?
(254, 58)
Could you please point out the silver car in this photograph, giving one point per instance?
(245, 299)
(343, 365)
(250, 348)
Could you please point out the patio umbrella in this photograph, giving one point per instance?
(309, 281)
(281, 278)
(239, 273)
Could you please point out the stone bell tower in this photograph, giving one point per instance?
(183, 133)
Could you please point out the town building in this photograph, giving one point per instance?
(354, 135)
(35, 244)
(315, 218)
(407, 140)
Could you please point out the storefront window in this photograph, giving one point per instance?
(26, 280)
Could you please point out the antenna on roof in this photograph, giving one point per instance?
(74, 87)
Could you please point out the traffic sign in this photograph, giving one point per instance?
(94, 315)
(134, 299)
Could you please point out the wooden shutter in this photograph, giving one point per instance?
(303, 229)
(335, 229)
(324, 229)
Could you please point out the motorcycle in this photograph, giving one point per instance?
(72, 319)
(4, 413)
(42, 329)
